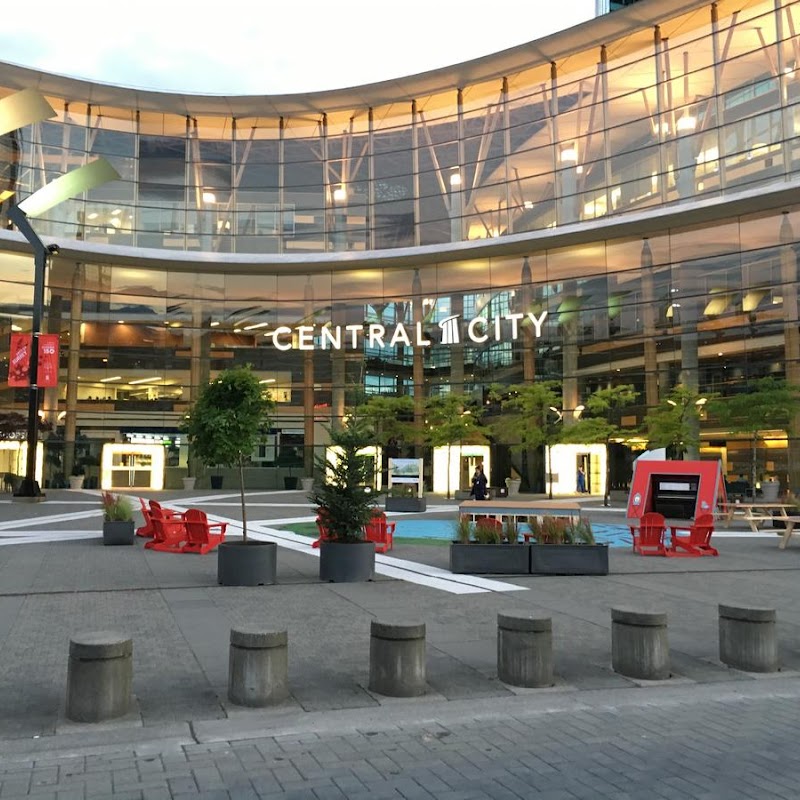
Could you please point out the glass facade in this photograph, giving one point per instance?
(615, 214)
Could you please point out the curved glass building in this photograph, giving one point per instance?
(613, 204)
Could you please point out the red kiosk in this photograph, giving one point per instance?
(676, 489)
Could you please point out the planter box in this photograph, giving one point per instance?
(482, 559)
(250, 563)
(117, 532)
(346, 562)
(569, 559)
(406, 504)
(291, 482)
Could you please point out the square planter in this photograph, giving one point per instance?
(117, 532)
(569, 559)
(406, 504)
(483, 559)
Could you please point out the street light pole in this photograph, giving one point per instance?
(29, 486)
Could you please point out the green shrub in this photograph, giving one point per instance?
(463, 529)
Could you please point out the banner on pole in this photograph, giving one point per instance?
(19, 365)
(19, 360)
(47, 372)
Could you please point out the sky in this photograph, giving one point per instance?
(269, 46)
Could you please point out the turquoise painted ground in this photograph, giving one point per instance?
(614, 535)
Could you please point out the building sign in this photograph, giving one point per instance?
(19, 364)
(454, 330)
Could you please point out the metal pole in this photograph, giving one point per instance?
(29, 486)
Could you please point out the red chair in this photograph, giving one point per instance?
(202, 536)
(648, 540)
(698, 541)
(169, 529)
(323, 532)
(147, 529)
(380, 531)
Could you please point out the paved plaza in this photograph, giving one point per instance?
(707, 732)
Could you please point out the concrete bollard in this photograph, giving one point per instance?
(748, 639)
(639, 644)
(258, 666)
(397, 659)
(525, 650)
(99, 676)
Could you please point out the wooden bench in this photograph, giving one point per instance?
(518, 509)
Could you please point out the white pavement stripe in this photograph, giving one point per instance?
(33, 521)
(36, 536)
(48, 537)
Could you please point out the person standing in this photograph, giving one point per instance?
(478, 490)
(581, 481)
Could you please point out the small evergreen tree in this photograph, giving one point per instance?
(227, 422)
(343, 498)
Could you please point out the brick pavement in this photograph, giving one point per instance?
(709, 732)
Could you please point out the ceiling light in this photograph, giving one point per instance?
(108, 380)
(268, 380)
(213, 324)
(145, 380)
(209, 197)
(256, 325)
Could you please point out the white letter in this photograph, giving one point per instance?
(513, 318)
(497, 328)
(354, 329)
(331, 336)
(537, 322)
(305, 337)
(400, 335)
(421, 342)
(376, 334)
(279, 331)
(473, 323)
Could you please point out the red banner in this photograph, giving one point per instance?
(47, 373)
(19, 364)
(19, 360)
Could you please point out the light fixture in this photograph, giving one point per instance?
(455, 179)
(145, 380)
(15, 327)
(120, 322)
(340, 194)
(268, 380)
(578, 411)
(255, 325)
(213, 324)
(701, 401)
(687, 123)
(569, 154)
(209, 197)
(108, 380)
(672, 403)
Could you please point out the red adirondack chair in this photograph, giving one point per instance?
(169, 529)
(323, 532)
(203, 536)
(698, 540)
(380, 531)
(648, 540)
(147, 529)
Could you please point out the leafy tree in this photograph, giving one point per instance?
(529, 418)
(343, 498)
(675, 423)
(600, 422)
(227, 422)
(452, 419)
(390, 417)
(767, 404)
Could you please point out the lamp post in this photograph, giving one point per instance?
(80, 180)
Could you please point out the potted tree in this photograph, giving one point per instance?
(223, 427)
(117, 519)
(77, 476)
(344, 504)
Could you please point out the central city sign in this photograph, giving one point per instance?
(351, 337)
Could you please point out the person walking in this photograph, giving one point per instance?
(478, 490)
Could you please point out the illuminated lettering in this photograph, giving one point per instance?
(282, 330)
(305, 337)
(473, 324)
(331, 336)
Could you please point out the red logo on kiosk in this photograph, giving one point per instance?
(19, 365)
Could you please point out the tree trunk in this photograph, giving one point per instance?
(241, 494)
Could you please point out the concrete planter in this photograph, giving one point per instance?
(188, 484)
(346, 562)
(117, 532)
(770, 488)
(248, 563)
(482, 559)
(513, 484)
(76, 481)
(307, 484)
(408, 504)
(569, 559)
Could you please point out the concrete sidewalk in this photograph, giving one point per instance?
(179, 620)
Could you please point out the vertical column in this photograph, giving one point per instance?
(73, 362)
(371, 181)
(791, 338)
(718, 102)
(507, 155)
(308, 388)
(415, 169)
(649, 315)
(281, 186)
(418, 372)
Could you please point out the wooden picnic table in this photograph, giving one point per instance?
(755, 513)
